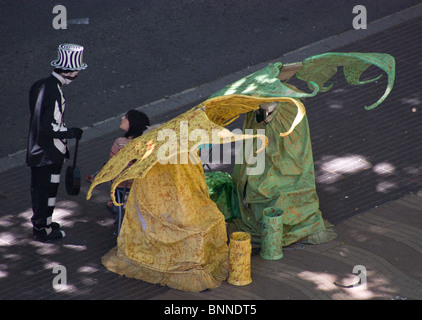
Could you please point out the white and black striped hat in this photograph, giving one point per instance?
(69, 57)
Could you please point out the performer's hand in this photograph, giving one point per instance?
(75, 133)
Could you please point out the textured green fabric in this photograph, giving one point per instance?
(316, 71)
(223, 192)
(264, 83)
(288, 182)
(272, 234)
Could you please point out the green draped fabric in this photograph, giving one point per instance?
(288, 181)
(223, 192)
(316, 71)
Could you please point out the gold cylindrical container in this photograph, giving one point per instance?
(240, 250)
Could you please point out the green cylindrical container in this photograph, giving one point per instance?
(272, 234)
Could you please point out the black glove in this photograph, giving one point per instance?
(74, 133)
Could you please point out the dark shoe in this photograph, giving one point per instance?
(42, 236)
(55, 226)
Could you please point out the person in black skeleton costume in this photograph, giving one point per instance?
(47, 144)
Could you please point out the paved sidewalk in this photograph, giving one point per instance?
(369, 180)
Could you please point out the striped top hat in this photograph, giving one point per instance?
(69, 57)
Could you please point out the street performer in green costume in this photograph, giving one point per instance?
(288, 181)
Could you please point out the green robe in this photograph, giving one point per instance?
(288, 180)
(287, 183)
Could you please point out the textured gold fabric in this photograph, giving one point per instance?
(240, 259)
(173, 234)
(175, 141)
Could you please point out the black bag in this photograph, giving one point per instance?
(73, 176)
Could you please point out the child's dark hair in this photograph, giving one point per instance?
(138, 122)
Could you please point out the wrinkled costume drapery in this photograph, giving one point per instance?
(288, 181)
(173, 234)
